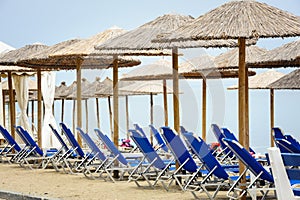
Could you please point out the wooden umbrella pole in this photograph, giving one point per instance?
(242, 101)
(39, 107)
(116, 107)
(74, 116)
(115, 100)
(165, 102)
(272, 116)
(97, 113)
(79, 108)
(11, 105)
(4, 111)
(86, 116)
(127, 116)
(151, 117)
(176, 89)
(62, 110)
(204, 109)
(32, 115)
(110, 116)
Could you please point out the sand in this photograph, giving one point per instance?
(58, 185)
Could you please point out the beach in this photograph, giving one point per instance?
(50, 184)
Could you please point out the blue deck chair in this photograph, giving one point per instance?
(182, 156)
(11, 144)
(60, 154)
(32, 151)
(260, 173)
(72, 160)
(212, 165)
(225, 150)
(156, 168)
(286, 143)
(285, 166)
(124, 165)
(159, 139)
(95, 155)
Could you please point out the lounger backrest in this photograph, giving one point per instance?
(277, 133)
(182, 129)
(138, 128)
(158, 138)
(293, 141)
(147, 149)
(292, 162)
(203, 152)
(72, 139)
(59, 138)
(10, 140)
(111, 147)
(286, 147)
(179, 150)
(29, 139)
(228, 134)
(254, 166)
(219, 136)
(88, 140)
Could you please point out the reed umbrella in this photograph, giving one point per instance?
(287, 55)
(290, 81)
(80, 54)
(138, 42)
(262, 81)
(9, 62)
(42, 60)
(240, 20)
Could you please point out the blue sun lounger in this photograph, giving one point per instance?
(187, 169)
(124, 165)
(225, 150)
(156, 168)
(32, 152)
(95, 155)
(159, 139)
(260, 173)
(11, 144)
(76, 155)
(216, 174)
(286, 143)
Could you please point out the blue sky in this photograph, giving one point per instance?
(53, 21)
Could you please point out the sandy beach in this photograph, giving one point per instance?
(56, 185)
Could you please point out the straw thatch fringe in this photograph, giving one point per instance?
(140, 39)
(229, 59)
(287, 55)
(290, 81)
(262, 80)
(239, 19)
(14, 56)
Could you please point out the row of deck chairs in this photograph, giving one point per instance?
(198, 170)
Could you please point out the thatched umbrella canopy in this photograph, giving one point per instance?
(240, 20)
(230, 59)
(11, 59)
(80, 54)
(287, 55)
(137, 41)
(262, 81)
(290, 81)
